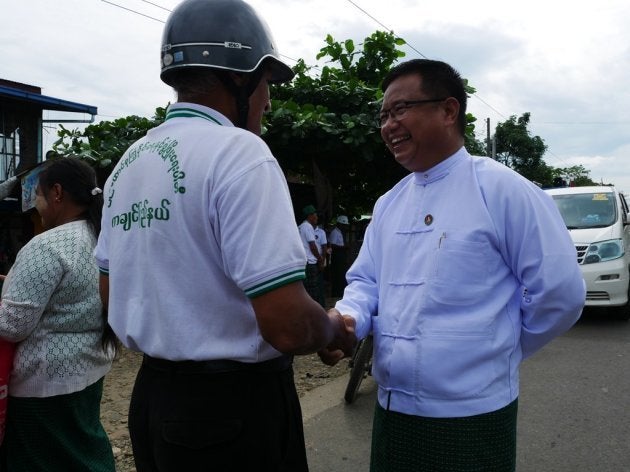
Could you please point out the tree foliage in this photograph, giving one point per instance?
(324, 121)
(577, 176)
(321, 127)
(103, 144)
(516, 148)
(519, 150)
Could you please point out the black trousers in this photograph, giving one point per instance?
(314, 284)
(338, 269)
(230, 421)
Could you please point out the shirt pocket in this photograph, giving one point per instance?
(462, 271)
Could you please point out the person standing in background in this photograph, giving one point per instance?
(339, 255)
(52, 310)
(314, 257)
(322, 243)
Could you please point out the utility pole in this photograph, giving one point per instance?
(488, 141)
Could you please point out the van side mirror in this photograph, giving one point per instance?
(626, 218)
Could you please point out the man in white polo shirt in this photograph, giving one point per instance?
(339, 256)
(322, 244)
(190, 262)
(314, 257)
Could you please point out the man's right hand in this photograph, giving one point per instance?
(293, 323)
(345, 339)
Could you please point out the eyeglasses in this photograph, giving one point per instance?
(398, 111)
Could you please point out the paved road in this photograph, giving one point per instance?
(574, 408)
(338, 435)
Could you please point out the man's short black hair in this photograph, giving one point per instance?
(439, 79)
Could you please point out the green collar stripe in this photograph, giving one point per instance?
(189, 113)
(275, 283)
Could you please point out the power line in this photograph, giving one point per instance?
(156, 5)
(381, 24)
(488, 105)
(476, 95)
(373, 18)
(133, 11)
(557, 157)
(295, 60)
(162, 21)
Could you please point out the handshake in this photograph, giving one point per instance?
(344, 341)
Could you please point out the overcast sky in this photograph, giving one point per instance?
(565, 63)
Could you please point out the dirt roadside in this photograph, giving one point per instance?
(309, 373)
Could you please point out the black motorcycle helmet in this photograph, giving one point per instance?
(225, 35)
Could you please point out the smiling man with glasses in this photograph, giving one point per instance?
(399, 109)
(465, 270)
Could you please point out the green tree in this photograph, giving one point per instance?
(103, 144)
(578, 175)
(322, 124)
(517, 149)
(321, 127)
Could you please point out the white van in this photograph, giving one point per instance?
(597, 219)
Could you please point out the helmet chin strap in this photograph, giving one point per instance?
(242, 93)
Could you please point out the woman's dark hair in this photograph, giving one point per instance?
(439, 79)
(78, 181)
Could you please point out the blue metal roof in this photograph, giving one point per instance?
(46, 103)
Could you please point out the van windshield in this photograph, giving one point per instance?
(587, 210)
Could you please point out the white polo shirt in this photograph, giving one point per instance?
(191, 223)
(307, 234)
(320, 239)
(336, 237)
